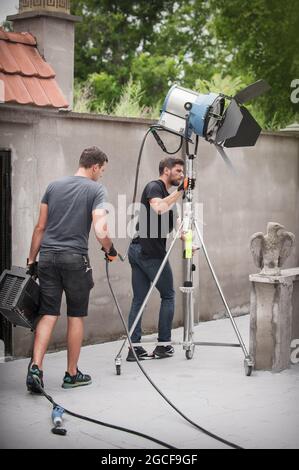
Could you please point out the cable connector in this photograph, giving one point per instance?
(159, 140)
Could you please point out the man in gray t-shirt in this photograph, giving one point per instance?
(71, 201)
(68, 208)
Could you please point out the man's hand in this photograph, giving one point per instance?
(32, 268)
(186, 183)
(110, 255)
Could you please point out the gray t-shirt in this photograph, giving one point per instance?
(71, 201)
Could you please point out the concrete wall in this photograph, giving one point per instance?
(46, 146)
(265, 189)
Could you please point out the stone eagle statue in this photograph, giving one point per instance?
(270, 251)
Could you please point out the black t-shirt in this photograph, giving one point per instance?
(153, 228)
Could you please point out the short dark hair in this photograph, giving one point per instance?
(91, 156)
(169, 162)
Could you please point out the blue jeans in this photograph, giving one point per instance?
(144, 271)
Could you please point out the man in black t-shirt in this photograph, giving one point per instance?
(147, 250)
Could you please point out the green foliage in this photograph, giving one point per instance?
(261, 39)
(221, 44)
(155, 74)
(227, 84)
(6, 25)
(112, 31)
(82, 95)
(230, 86)
(104, 88)
(129, 103)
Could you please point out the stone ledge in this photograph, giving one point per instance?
(291, 274)
(39, 13)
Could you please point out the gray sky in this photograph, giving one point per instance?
(8, 7)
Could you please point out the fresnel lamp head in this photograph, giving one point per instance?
(186, 112)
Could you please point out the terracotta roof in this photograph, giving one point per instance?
(27, 77)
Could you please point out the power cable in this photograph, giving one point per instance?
(205, 431)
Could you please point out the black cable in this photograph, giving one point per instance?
(196, 145)
(161, 143)
(150, 129)
(101, 423)
(138, 163)
(205, 431)
(186, 137)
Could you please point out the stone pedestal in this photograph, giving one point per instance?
(271, 313)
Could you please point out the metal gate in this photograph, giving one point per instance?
(5, 237)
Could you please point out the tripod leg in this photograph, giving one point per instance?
(188, 310)
(150, 290)
(247, 356)
(186, 304)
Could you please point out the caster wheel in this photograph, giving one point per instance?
(189, 353)
(118, 370)
(248, 369)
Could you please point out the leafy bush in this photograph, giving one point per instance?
(129, 103)
(82, 97)
(90, 97)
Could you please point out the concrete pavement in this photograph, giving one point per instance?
(260, 411)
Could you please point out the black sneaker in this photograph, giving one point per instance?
(163, 351)
(77, 380)
(140, 352)
(34, 373)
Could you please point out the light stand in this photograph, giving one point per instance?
(188, 225)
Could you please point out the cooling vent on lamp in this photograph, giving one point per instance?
(19, 297)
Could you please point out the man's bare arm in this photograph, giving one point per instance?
(163, 205)
(99, 218)
(38, 233)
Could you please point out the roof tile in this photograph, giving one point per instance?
(53, 92)
(44, 69)
(7, 61)
(15, 90)
(27, 77)
(3, 35)
(36, 91)
(22, 38)
(25, 65)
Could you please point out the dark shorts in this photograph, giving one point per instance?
(64, 272)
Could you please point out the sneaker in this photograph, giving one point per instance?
(77, 380)
(34, 374)
(163, 351)
(140, 352)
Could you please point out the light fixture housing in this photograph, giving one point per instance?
(186, 112)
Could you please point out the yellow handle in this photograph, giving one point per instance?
(188, 244)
